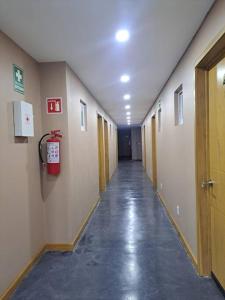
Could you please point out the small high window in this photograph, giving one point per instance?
(179, 106)
(159, 119)
(83, 116)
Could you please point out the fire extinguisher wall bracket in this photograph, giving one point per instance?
(40, 148)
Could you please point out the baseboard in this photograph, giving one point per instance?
(84, 224)
(21, 275)
(70, 246)
(48, 247)
(180, 234)
(59, 247)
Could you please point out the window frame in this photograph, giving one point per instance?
(159, 113)
(83, 115)
(179, 106)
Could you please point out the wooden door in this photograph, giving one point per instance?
(217, 168)
(101, 159)
(154, 156)
(144, 148)
(106, 139)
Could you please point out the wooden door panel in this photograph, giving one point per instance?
(102, 179)
(217, 193)
(217, 168)
(154, 155)
(218, 245)
(106, 140)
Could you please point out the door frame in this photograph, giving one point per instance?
(101, 153)
(144, 146)
(215, 54)
(106, 144)
(154, 151)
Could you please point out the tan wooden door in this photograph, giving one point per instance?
(144, 147)
(217, 168)
(154, 156)
(101, 159)
(106, 139)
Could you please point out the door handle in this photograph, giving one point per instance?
(207, 183)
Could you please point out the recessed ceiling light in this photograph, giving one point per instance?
(128, 113)
(122, 35)
(127, 106)
(125, 78)
(126, 97)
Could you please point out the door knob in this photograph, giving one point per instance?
(208, 183)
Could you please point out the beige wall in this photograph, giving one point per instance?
(21, 205)
(36, 209)
(56, 190)
(83, 151)
(69, 197)
(176, 144)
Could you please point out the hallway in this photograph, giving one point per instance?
(129, 251)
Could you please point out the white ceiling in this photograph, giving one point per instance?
(82, 32)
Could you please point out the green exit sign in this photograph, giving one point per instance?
(18, 79)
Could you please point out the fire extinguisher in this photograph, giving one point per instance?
(53, 152)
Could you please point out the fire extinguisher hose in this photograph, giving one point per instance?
(39, 147)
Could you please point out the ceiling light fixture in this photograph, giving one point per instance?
(125, 78)
(122, 35)
(127, 97)
(128, 113)
(127, 106)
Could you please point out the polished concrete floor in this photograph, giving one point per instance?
(129, 251)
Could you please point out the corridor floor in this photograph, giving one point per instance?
(129, 251)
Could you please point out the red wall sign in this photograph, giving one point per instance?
(54, 105)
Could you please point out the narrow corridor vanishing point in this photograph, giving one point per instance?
(129, 251)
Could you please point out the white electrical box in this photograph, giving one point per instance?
(23, 119)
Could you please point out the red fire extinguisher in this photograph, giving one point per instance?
(53, 152)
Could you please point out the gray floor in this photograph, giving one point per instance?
(129, 251)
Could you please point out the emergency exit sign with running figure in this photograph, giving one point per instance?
(54, 105)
